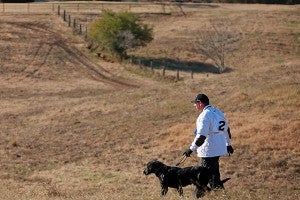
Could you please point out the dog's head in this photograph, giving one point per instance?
(153, 166)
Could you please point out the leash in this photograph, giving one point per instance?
(183, 158)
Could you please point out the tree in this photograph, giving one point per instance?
(118, 32)
(217, 41)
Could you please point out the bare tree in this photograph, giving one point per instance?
(218, 41)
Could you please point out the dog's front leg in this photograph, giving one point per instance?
(164, 190)
(180, 191)
(200, 191)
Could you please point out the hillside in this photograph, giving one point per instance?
(76, 127)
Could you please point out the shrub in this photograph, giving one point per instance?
(118, 32)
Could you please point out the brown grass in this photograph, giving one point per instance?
(74, 127)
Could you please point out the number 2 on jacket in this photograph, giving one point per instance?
(221, 125)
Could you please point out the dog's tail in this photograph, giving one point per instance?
(225, 180)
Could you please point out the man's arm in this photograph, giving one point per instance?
(230, 150)
(200, 140)
(195, 145)
(229, 134)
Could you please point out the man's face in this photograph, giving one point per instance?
(199, 106)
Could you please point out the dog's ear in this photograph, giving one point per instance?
(149, 167)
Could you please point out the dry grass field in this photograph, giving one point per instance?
(76, 127)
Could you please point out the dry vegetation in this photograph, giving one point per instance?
(74, 127)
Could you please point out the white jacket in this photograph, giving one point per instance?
(212, 124)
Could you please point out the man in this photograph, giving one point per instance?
(212, 140)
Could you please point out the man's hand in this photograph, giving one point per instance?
(187, 153)
(230, 149)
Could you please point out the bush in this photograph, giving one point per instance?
(118, 32)
(218, 41)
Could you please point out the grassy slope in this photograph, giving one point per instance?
(66, 135)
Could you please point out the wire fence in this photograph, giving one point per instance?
(78, 27)
(27, 7)
(164, 71)
(96, 7)
(91, 7)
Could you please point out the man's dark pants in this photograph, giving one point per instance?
(212, 164)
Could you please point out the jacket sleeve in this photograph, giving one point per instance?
(202, 125)
(228, 137)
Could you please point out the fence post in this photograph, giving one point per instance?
(58, 10)
(78, 7)
(74, 24)
(65, 16)
(164, 71)
(192, 74)
(80, 29)
(163, 7)
(151, 66)
(86, 32)
(69, 22)
(140, 63)
(131, 59)
(177, 75)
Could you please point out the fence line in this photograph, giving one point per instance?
(163, 70)
(82, 30)
(77, 26)
(97, 7)
(29, 7)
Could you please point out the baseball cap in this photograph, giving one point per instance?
(201, 98)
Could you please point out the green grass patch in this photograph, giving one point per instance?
(98, 176)
(296, 36)
(295, 23)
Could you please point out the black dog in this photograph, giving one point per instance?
(175, 177)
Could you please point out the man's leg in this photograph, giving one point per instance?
(213, 165)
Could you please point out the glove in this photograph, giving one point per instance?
(187, 153)
(230, 149)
